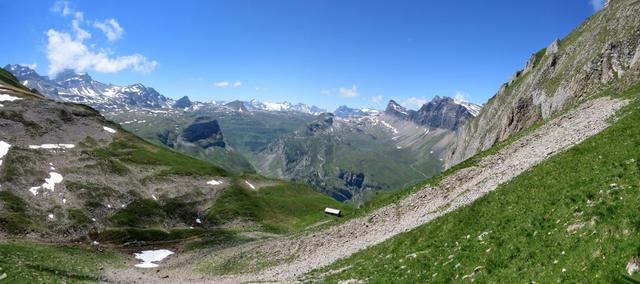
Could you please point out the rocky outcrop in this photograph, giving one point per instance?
(183, 102)
(324, 122)
(395, 109)
(443, 113)
(237, 106)
(205, 132)
(351, 179)
(601, 54)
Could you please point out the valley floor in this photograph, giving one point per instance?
(289, 259)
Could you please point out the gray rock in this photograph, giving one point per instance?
(603, 53)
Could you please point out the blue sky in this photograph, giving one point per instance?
(327, 53)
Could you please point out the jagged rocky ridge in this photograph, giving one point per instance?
(602, 54)
(445, 113)
(76, 87)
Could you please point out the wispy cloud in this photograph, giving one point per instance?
(68, 49)
(221, 84)
(31, 66)
(377, 100)
(597, 5)
(342, 91)
(460, 96)
(414, 102)
(349, 92)
(111, 29)
(64, 8)
(226, 84)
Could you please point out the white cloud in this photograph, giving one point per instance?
(597, 5)
(349, 92)
(64, 8)
(377, 99)
(221, 84)
(460, 97)
(68, 50)
(31, 66)
(226, 84)
(111, 29)
(414, 102)
(342, 91)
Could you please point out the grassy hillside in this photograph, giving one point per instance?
(29, 262)
(120, 188)
(572, 219)
(8, 79)
(281, 208)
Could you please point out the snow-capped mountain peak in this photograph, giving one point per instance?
(474, 109)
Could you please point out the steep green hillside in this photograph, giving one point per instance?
(571, 219)
(8, 79)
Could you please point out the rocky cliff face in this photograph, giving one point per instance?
(443, 113)
(183, 102)
(602, 54)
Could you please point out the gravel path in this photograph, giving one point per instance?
(301, 254)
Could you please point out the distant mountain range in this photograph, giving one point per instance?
(349, 155)
(76, 87)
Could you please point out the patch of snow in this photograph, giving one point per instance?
(148, 257)
(50, 183)
(214, 182)
(8, 98)
(52, 146)
(198, 221)
(108, 129)
(4, 149)
(276, 106)
(395, 131)
(64, 201)
(34, 190)
(473, 109)
(250, 185)
(154, 197)
(50, 216)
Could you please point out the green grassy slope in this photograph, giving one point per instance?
(8, 79)
(28, 262)
(572, 219)
(281, 208)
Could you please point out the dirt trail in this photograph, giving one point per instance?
(318, 249)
